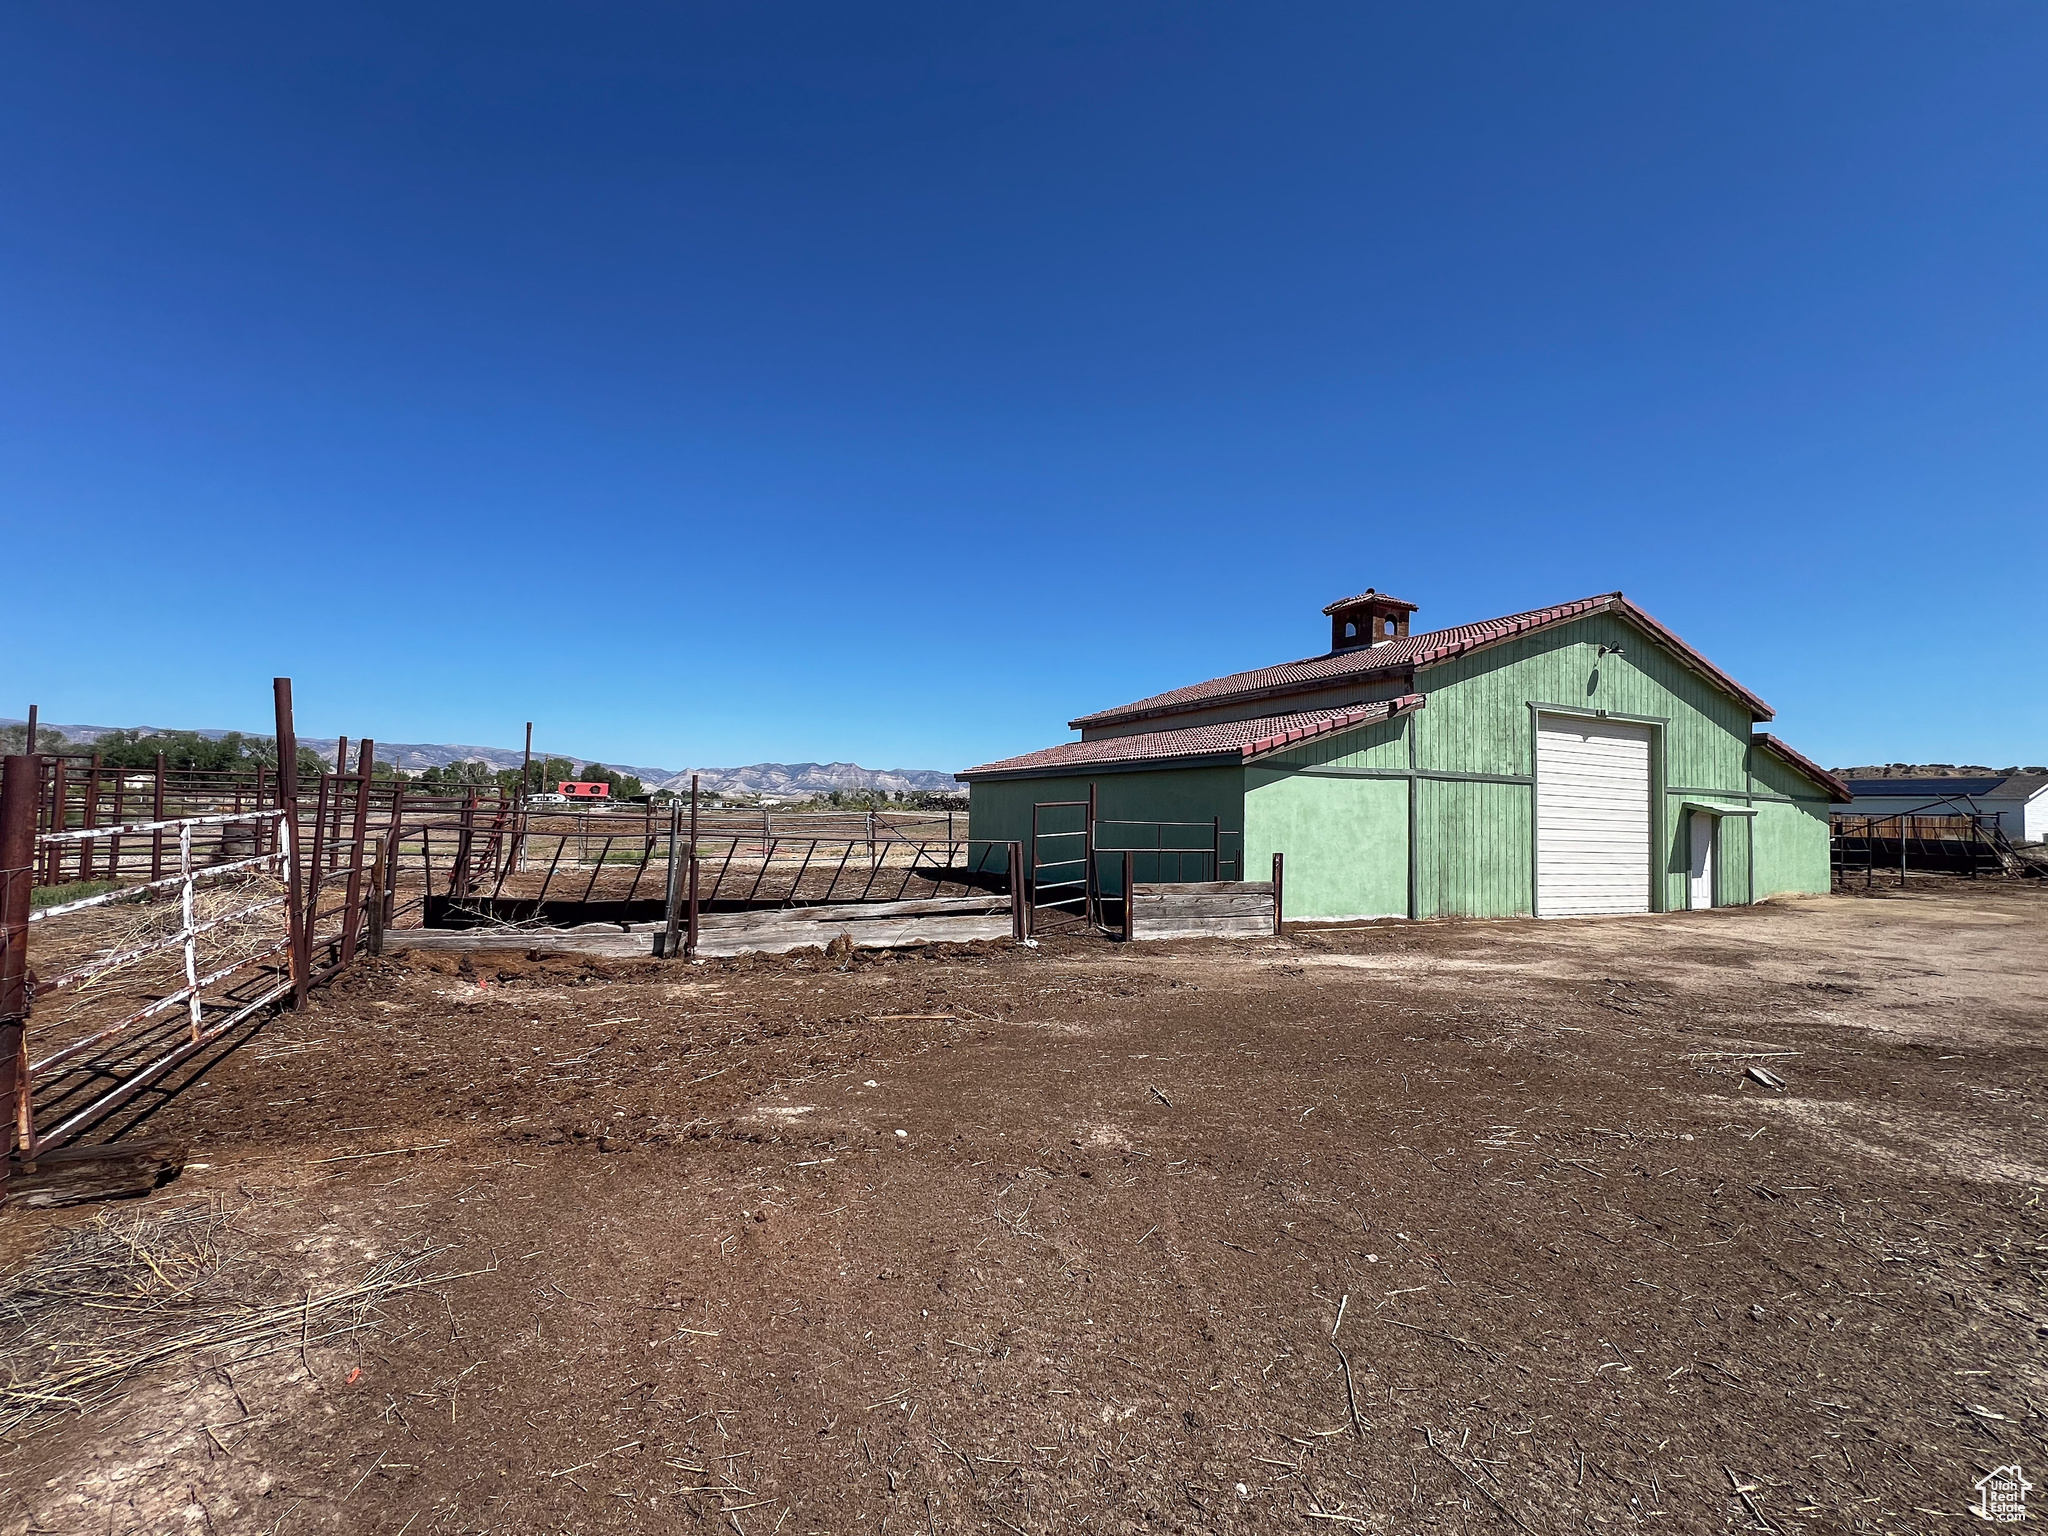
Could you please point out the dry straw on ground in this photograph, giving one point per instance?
(131, 1290)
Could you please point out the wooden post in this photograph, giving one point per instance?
(288, 832)
(1020, 898)
(670, 940)
(1279, 869)
(18, 795)
(1130, 894)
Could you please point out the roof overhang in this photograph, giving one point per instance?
(1371, 714)
(1838, 789)
(1709, 808)
(1193, 746)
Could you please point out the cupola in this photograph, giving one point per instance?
(1369, 619)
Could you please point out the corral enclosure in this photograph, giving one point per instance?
(991, 1237)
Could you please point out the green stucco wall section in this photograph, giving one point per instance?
(1792, 832)
(1342, 824)
(1792, 847)
(1340, 807)
(1345, 841)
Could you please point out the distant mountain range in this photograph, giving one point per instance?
(1929, 771)
(781, 780)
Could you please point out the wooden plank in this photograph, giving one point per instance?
(1202, 904)
(858, 912)
(1203, 887)
(72, 1175)
(727, 933)
(1210, 928)
(898, 934)
(592, 940)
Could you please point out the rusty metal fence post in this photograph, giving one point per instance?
(1020, 899)
(18, 794)
(1130, 894)
(1279, 871)
(359, 833)
(690, 945)
(1091, 911)
(288, 839)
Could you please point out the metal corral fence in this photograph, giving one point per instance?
(1079, 860)
(275, 885)
(533, 867)
(1952, 844)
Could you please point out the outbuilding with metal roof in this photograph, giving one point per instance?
(1575, 759)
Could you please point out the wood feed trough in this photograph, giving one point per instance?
(1203, 909)
(868, 925)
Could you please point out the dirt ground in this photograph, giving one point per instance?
(1059, 1239)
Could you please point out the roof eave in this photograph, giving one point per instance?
(1227, 758)
(1407, 704)
(1837, 788)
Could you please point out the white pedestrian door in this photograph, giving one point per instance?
(1592, 817)
(1702, 887)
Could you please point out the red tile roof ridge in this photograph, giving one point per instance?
(1404, 654)
(1230, 740)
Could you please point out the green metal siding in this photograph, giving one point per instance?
(1379, 746)
(1772, 775)
(999, 810)
(1478, 721)
(1476, 846)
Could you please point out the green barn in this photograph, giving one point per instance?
(1573, 760)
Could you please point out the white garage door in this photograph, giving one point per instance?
(1592, 817)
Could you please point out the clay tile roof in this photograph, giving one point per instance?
(1378, 597)
(1232, 740)
(1836, 788)
(1402, 655)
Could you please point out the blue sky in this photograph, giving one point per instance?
(892, 383)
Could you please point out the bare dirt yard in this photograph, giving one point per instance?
(1461, 1226)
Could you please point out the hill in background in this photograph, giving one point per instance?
(793, 780)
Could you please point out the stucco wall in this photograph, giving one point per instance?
(1346, 841)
